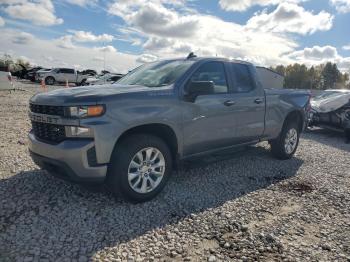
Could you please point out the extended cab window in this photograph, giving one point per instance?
(243, 78)
(212, 71)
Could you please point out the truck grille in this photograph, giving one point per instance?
(49, 132)
(47, 110)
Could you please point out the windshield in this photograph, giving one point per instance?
(156, 74)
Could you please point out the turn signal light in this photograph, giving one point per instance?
(95, 110)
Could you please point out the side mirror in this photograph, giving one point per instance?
(197, 88)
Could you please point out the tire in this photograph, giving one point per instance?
(121, 178)
(82, 83)
(286, 144)
(50, 80)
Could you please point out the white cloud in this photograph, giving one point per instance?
(153, 18)
(146, 58)
(242, 5)
(346, 47)
(22, 38)
(205, 35)
(288, 17)
(2, 22)
(98, 58)
(47, 53)
(316, 53)
(12, 2)
(82, 36)
(65, 42)
(40, 12)
(342, 6)
(157, 43)
(82, 3)
(107, 49)
(319, 55)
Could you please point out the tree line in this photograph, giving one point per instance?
(296, 76)
(8, 63)
(321, 77)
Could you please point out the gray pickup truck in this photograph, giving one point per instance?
(130, 135)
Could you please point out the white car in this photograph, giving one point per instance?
(38, 74)
(5, 80)
(104, 79)
(62, 75)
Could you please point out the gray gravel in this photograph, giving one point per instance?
(242, 206)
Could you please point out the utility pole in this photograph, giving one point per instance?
(104, 56)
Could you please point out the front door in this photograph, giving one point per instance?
(207, 122)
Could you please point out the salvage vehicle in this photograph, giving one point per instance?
(331, 110)
(103, 79)
(20, 72)
(89, 72)
(62, 75)
(30, 74)
(130, 135)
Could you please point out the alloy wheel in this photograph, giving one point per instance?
(146, 170)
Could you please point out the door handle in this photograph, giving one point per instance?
(229, 103)
(258, 101)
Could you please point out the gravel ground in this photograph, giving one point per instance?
(241, 206)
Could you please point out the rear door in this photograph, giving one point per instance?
(207, 121)
(249, 107)
(69, 74)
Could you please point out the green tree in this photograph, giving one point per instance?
(297, 77)
(22, 62)
(323, 76)
(330, 76)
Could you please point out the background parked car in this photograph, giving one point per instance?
(89, 72)
(103, 79)
(331, 110)
(20, 71)
(62, 75)
(39, 73)
(30, 75)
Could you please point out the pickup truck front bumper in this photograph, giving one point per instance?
(68, 160)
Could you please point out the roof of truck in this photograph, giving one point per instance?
(213, 58)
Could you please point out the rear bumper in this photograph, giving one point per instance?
(67, 160)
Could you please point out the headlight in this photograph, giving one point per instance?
(77, 131)
(86, 111)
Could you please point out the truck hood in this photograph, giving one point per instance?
(89, 94)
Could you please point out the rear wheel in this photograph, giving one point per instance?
(286, 144)
(140, 167)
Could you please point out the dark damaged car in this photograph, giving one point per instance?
(331, 110)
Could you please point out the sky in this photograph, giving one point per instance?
(119, 35)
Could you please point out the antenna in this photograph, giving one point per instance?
(191, 55)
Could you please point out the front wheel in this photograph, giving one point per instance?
(286, 144)
(49, 80)
(140, 167)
